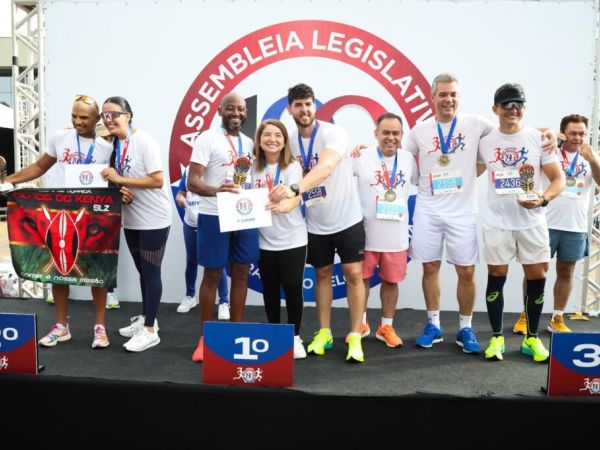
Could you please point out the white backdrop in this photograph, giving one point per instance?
(152, 51)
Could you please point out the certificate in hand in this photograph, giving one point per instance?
(85, 176)
(244, 210)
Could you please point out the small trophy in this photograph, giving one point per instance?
(2, 169)
(526, 173)
(240, 170)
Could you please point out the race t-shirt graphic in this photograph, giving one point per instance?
(392, 76)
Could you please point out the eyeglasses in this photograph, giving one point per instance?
(112, 115)
(87, 100)
(510, 105)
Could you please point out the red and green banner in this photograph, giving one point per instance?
(65, 236)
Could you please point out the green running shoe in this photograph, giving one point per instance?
(322, 341)
(495, 349)
(355, 352)
(533, 346)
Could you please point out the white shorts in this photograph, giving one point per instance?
(458, 232)
(531, 246)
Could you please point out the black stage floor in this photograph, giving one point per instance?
(443, 369)
(408, 397)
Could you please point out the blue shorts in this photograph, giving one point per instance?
(216, 250)
(569, 246)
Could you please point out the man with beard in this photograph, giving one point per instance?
(216, 155)
(333, 215)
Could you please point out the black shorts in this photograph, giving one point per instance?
(349, 245)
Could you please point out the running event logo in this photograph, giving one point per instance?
(395, 79)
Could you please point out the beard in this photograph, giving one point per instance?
(304, 124)
(228, 126)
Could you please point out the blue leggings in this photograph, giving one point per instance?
(191, 265)
(147, 248)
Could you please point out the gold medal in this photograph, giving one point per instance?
(390, 195)
(443, 160)
(571, 181)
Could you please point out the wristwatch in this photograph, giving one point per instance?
(544, 201)
(295, 188)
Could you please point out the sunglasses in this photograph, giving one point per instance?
(112, 115)
(87, 100)
(510, 105)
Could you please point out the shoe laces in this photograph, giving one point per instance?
(430, 329)
(387, 330)
(57, 331)
(558, 320)
(99, 332)
(468, 334)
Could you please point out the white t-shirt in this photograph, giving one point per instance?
(384, 235)
(341, 208)
(288, 230)
(504, 152)
(151, 208)
(62, 145)
(213, 150)
(190, 214)
(423, 141)
(569, 211)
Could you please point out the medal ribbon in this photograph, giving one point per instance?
(121, 160)
(270, 183)
(389, 180)
(88, 158)
(445, 145)
(571, 169)
(240, 150)
(306, 158)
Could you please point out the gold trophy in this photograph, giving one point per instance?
(2, 169)
(241, 166)
(526, 173)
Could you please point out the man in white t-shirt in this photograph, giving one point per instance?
(73, 146)
(567, 215)
(333, 215)
(515, 223)
(385, 173)
(220, 162)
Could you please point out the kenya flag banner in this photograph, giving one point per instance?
(65, 236)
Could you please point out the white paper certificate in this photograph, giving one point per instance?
(244, 210)
(85, 175)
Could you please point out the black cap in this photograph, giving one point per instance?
(510, 92)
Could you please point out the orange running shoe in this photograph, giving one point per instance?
(388, 335)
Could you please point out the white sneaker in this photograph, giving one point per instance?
(142, 341)
(137, 325)
(58, 333)
(223, 311)
(112, 302)
(186, 304)
(299, 351)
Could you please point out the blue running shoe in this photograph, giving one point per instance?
(431, 335)
(468, 341)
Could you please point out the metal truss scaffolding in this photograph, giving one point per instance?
(28, 91)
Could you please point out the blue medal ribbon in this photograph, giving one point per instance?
(571, 169)
(88, 157)
(389, 180)
(119, 162)
(445, 145)
(306, 158)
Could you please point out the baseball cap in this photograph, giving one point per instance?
(510, 92)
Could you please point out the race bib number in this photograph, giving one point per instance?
(507, 182)
(444, 183)
(394, 210)
(314, 197)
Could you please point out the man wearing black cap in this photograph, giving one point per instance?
(515, 224)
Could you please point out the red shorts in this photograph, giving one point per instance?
(392, 265)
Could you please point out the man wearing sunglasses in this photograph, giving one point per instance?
(77, 145)
(515, 221)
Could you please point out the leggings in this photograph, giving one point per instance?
(191, 265)
(284, 268)
(147, 248)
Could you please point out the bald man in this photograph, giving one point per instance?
(216, 154)
(77, 145)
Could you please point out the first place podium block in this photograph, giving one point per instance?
(248, 354)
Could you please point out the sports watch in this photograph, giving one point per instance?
(296, 189)
(544, 201)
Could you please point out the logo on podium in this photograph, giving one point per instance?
(18, 344)
(574, 368)
(254, 354)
